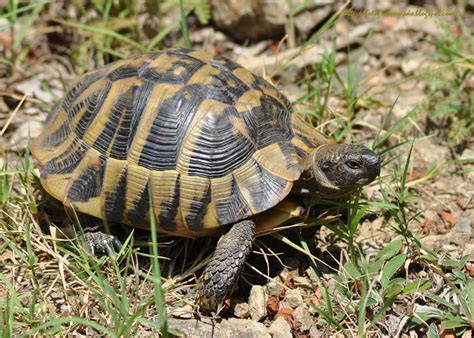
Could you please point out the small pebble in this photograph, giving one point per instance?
(274, 288)
(280, 328)
(241, 310)
(257, 303)
(303, 318)
(183, 312)
(293, 299)
(464, 226)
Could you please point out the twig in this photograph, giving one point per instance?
(13, 115)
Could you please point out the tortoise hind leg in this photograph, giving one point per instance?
(221, 274)
(100, 242)
(98, 239)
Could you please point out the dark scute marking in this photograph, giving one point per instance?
(54, 111)
(195, 218)
(170, 75)
(117, 127)
(67, 161)
(91, 106)
(139, 215)
(169, 209)
(122, 73)
(89, 183)
(218, 150)
(58, 136)
(154, 55)
(233, 208)
(224, 63)
(250, 122)
(179, 52)
(273, 121)
(268, 192)
(115, 200)
(169, 127)
(289, 151)
(300, 152)
(80, 87)
(304, 139)
(141, 95)
(226, 87)
(261, 83)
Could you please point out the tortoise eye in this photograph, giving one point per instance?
(353, 164)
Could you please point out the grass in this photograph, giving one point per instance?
(52, 286)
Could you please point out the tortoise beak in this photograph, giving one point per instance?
(373, 163)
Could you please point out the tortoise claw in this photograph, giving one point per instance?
(101, 243)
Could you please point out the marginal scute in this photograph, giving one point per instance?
(115, 189)
(208, 141)
(195, 197)
(84, 191)
(137, 180)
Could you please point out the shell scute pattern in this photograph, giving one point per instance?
(208, 141)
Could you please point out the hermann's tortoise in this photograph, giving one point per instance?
(208, 141)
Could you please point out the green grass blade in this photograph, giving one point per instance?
(13, 13)
(399, 124)
(57, 322)
(162, 34)
(102, 31)
(158, 294)
(184, 26)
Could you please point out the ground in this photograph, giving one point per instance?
(396, 259)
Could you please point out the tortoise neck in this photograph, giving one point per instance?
(313, 181)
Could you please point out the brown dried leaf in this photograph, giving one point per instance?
(227, 303)
(414, 175)
(447, 333)
(286, 313)
(447, 217)
(470, 269)
(272, 304)
(290, 283)
(427, 225)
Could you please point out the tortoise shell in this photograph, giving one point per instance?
(208, 141)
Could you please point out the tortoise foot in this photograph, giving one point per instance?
(102, 243)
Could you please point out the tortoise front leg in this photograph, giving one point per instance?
(221, 274)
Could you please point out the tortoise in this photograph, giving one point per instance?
(210, 143)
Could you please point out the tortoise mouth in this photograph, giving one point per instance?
(364, 180)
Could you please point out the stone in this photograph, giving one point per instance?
(410, 65)
(241, 328)
(302, 282)
(184, 312)
(206, 328)
(306, 20)
(314, 332)
(303, 318)
(241, 310)
(274, 288)
(280, 328)
(427, 153)
(464, 226)
(250, 19)
(258, 303)
(293, 299)
(26, 131)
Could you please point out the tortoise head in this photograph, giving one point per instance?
(341, 168)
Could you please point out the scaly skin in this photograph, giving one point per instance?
(221, 274)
